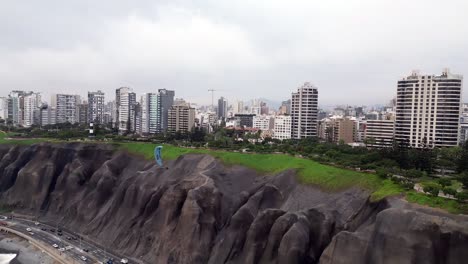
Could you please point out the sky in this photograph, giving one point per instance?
(354, 51)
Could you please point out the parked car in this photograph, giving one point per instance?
(55, 245)
(83, 258)
(28, 229)
(59, 233)
(52, 230)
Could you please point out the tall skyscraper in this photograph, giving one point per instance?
(222, 108)
(149, 113)
(165, 101)
(96, 107)
(126, 100)
(304, 111)
(66, 106)
(428, 110)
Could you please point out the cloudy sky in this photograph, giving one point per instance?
(354, 51)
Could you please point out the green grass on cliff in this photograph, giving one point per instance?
(310, 172)
(4, 139)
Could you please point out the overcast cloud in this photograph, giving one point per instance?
(354, 51)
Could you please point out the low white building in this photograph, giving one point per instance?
(263, 122)
(282, 127)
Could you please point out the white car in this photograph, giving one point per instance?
(28, 229)
(83, 258)
(36, 223)
(55, 245)
(124, 261)
(31, 233)
(3, 217)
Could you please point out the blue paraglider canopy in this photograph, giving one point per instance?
(157, 155)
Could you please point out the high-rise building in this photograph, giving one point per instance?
(304, 112)
(464, 124)
(149, 113)
(379, 133)
(109, 113)
(28, 104)
(66, 106)
(137, 123)
(16, 106)
(83, 113)
(96, 107)
(181, 117)
(285, 108)
(3, 108)
(428, 110)
(282, 127)
(165, 102)
(48, 116)
(222, 108)
(126, 105)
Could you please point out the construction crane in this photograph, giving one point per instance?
(212, 97)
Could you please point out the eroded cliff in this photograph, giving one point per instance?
(199, 211)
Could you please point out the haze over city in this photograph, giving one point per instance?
(353, 51)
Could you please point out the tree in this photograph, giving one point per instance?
(463, 178)
(462, 162)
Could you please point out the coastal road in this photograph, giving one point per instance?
(71, 242)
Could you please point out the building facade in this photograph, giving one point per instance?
(245, 120)
(83, 113)
(304, 109)
(428, 110)
(165, 102)
(126, 104)
(282, 127)
(222, 108)
(48, 116)
(379, 133)
(66, 106)
(96, 107)
(263, 122)
(181, 118)
(149, 113)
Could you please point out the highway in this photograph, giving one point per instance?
(69, 243)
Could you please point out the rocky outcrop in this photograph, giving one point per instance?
(200, 211)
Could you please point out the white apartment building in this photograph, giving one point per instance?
(29, 103)
(282, 127)
(66, 107)
(48, 116)
(149, 113)
(379, 133)
(428, 110)
(263, 123)
(3, 108)
(304, 110)
(96, 107)
(464, 124)
(126, 104)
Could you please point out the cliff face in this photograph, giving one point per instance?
(199, 211)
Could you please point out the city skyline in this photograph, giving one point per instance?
(354, 57)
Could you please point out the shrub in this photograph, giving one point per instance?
(444, 182)
(383, 173)
(432, 188)
(462, 196)
(449, 191)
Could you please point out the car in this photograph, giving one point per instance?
(61, 249)
(124, 261)
(83, 258)
(85, 250)
(3, 217)
(55, 245)
(28, 229)
(69, 238)
(3, 223)
(59, 230)
(52, 230)
(43, 229)
(31, 233)
(68, 247)
(74, 238)
(59, 233)
(10, 217)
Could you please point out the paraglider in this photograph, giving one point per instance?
(157, 156)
